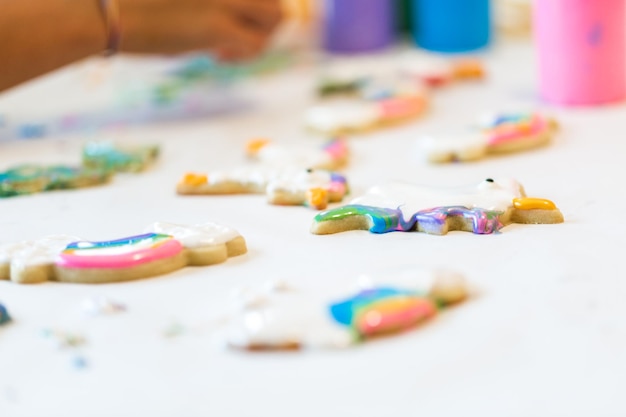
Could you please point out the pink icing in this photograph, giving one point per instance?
(514, 132)
(399, 107)
(337, 149)
(160, 250)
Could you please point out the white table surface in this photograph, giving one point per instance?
(544, 335)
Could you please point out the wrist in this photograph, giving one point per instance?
(111, 14)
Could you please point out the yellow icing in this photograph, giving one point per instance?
(529, 203)
(468, 68)
(194, 179)
(317, 198)
(255, 145)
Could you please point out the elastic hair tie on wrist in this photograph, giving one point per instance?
(111, 11)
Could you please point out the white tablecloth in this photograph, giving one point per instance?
(544, 334)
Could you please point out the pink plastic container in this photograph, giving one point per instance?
(582, 50)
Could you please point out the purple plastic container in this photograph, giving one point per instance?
(352, 26)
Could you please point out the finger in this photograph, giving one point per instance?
(265, 14)
(236, 37)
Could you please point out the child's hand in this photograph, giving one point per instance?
(232, 29)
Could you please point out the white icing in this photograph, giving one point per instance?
(410, 198)
(199, 235)
(342, 114)
(95, 250)
(34, 253)
(300, 182)
(427, 66)
(286, 317)
(101, 305)
(8, 251)
(270, 178)
(470, 144)
(301, 156)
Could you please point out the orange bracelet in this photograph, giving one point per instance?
(111, 11)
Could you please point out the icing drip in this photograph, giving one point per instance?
(382, 310)
(431, 220)
(119, 253)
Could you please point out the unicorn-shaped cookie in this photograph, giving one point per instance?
(404, 207)
(163, 248)
(287, 176)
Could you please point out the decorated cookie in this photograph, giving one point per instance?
(286, 319)
(30, 179)
(5, 318)
(499, 134)
(332, 155)
(436, 71)
(114, 158)
(404, 207)
(366, 103)
(286, 176)
(163, 248)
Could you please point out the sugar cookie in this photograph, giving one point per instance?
(288, 319)
(115, 158)
(435, 71)
(30, 179)
(396, 206)
(286, 176)
(500, 134)
(164, 248)
(366, 104)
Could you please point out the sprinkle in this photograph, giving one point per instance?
(175, 329)
(31, 130)
(96, 306)
(5, 318)
(79, 362)
(64, 339)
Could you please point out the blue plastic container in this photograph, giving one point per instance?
(451, 25)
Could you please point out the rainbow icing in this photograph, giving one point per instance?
(382, 310)
(337, 149)
(511, 127)
(119, 253)
(431, 220)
